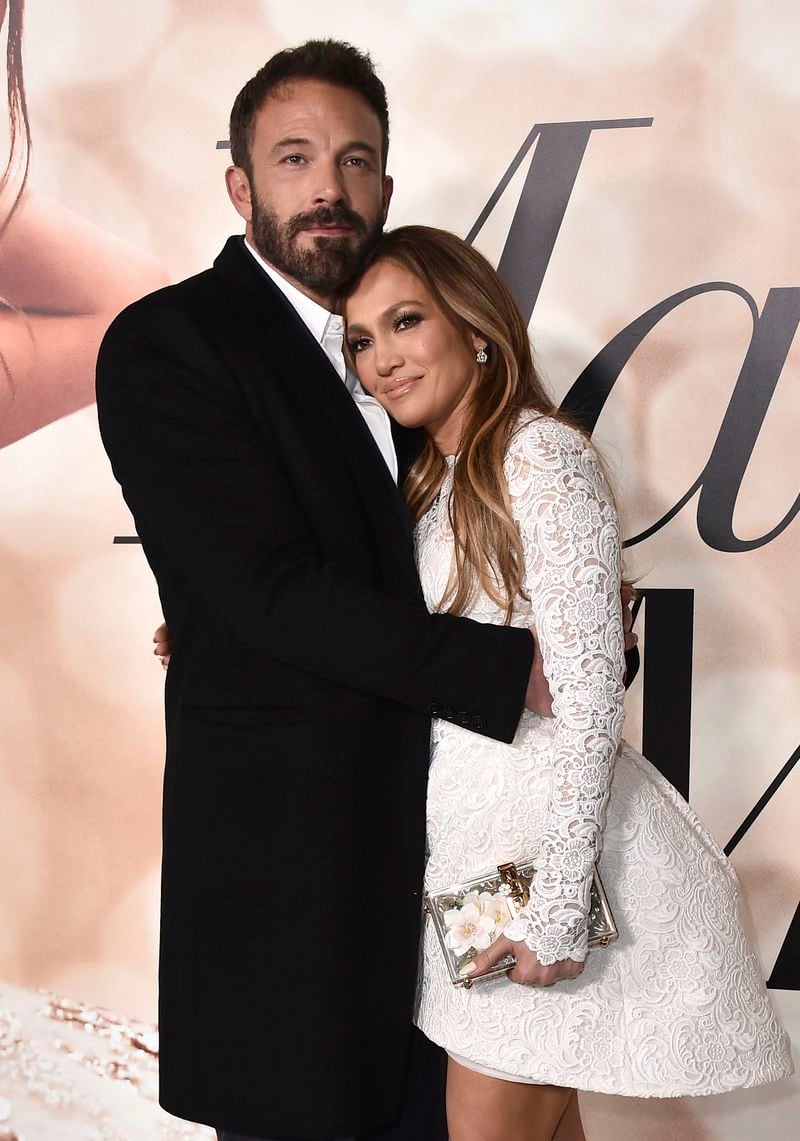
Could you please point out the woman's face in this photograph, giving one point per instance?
(410, 355)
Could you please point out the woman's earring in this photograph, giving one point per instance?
(482, 356)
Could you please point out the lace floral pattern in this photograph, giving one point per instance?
(566, 517)
(677, 1006)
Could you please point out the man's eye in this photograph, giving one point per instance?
(355, 160)
(294, 160)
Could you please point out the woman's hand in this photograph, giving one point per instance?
(527, 968)
(163, 648)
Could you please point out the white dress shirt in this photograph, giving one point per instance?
(327, 329)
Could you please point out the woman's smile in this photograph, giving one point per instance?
(400, 386)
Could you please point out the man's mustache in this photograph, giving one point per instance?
(326, 216)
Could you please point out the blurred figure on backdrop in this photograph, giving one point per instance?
(68, 1070)
(62, 280)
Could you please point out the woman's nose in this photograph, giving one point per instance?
(387, 359)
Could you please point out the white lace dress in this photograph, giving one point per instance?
(677, 1005)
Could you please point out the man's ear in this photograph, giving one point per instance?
(238, 185)
(388, 187)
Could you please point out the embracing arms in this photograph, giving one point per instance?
(205, 483)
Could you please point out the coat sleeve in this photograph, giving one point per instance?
(200, 477)
(568, 523)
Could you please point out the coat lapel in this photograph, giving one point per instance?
(289, 350)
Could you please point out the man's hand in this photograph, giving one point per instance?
(527, 968)
(163, 648)
(537, 696)
(628, 594)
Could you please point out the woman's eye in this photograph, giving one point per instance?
(407, 321)
(358, 345)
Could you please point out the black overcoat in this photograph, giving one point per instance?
(298, 704)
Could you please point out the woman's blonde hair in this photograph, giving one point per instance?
(470, 293)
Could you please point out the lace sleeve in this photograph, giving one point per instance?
(568, 523)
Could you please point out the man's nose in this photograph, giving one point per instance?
(329, 188)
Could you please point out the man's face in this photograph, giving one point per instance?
(317, 196)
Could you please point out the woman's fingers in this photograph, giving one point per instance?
(527, 968)
(485, 960)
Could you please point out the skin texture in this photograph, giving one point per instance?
(482, 1108)
(316, 151)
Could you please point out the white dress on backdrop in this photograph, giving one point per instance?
(677, 1006)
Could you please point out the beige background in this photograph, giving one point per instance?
(126, 104)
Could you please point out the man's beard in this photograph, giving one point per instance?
(326, 267)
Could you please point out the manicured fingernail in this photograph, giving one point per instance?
(467, 970)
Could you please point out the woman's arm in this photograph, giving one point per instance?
(568, 522)
(62, 281)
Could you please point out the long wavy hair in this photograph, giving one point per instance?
(18, 161)
(473, 297)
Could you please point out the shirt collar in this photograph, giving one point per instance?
(313, 315)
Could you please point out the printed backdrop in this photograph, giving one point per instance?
(634, 169)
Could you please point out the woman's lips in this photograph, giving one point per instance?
(399, 387)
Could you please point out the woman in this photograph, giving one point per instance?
(515, 522)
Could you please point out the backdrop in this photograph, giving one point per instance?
(633, 167)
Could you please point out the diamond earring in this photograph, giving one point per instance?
(481, 356)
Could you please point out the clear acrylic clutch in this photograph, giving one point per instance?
(468, 917)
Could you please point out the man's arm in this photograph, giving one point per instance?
(200, 478)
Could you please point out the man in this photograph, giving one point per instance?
(306, 667)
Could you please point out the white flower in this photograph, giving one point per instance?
(467, 928)
(495, 907)
(471, 897)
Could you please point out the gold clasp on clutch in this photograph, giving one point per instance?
(513, 887)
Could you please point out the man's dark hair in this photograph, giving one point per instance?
(325, 61)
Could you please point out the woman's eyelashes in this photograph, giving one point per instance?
(406, 321)
(401, 322)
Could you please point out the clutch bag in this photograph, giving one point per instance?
(469, 916)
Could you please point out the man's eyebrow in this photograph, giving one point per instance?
(352, 145)
(360, 145)
(291, 142)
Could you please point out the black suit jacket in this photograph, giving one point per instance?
(298, 699)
